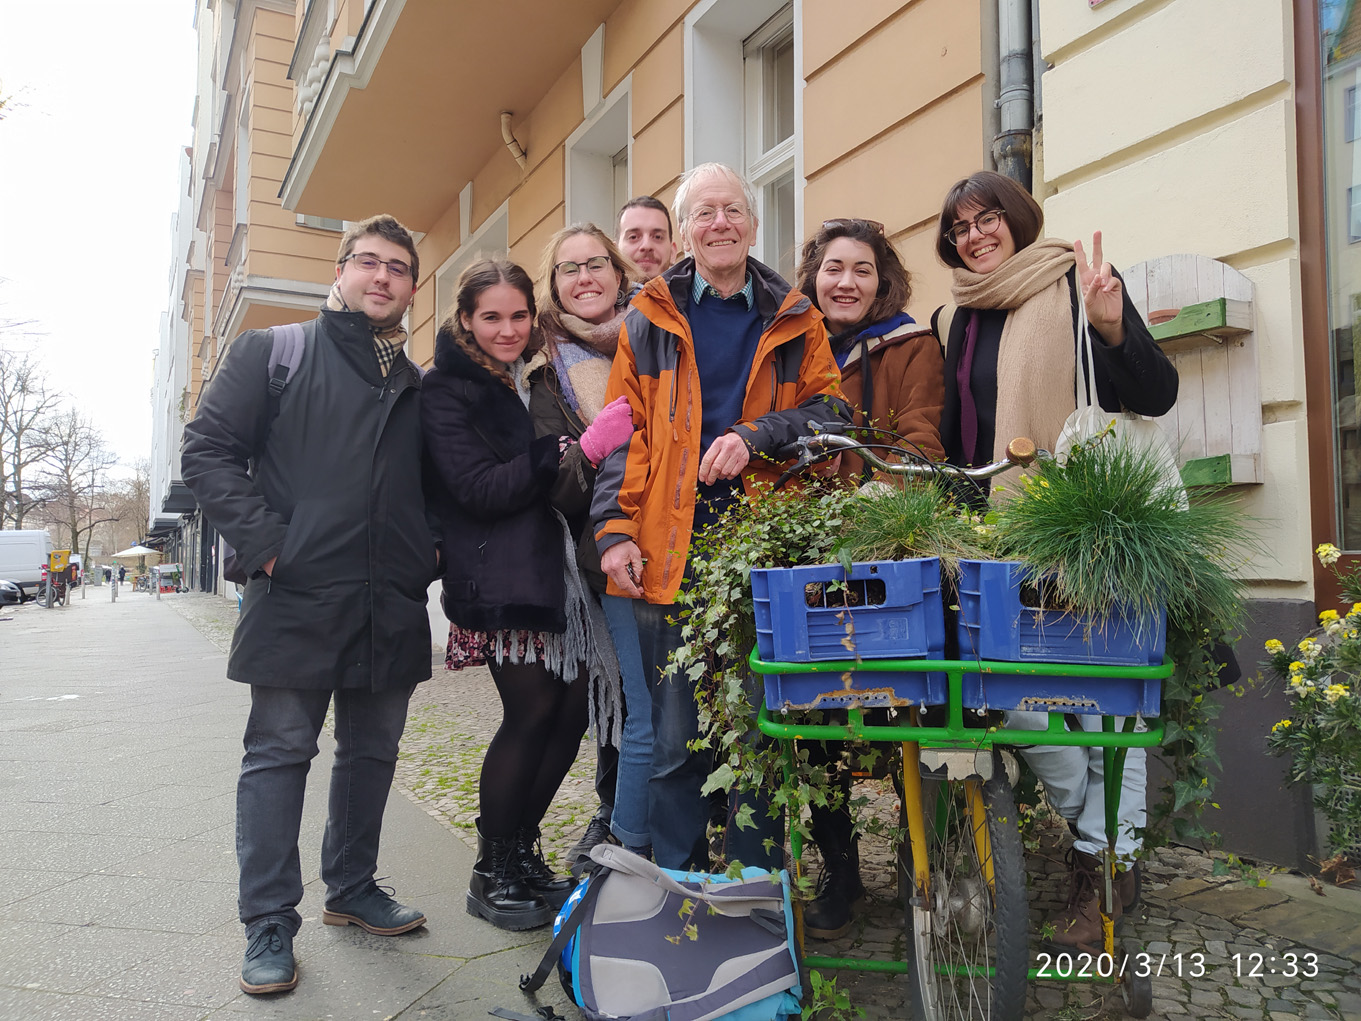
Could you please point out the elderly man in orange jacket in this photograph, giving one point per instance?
(722, 360)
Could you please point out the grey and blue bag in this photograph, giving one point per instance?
(623, 953)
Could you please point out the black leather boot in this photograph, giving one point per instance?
(830, 913)
(537, 875)
(498, 893)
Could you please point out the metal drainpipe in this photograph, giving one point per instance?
(1011, 149)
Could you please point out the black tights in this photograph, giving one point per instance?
(540, 734)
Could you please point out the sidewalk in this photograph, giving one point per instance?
(119, 747)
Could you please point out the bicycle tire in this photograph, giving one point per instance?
(966, 926)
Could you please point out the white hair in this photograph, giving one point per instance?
(680, 207)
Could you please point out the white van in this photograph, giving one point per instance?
(23, 554)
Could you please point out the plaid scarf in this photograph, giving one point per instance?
(387, 344)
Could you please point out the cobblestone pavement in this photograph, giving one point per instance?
(1187, 909)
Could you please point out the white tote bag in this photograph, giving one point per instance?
(1091, 420)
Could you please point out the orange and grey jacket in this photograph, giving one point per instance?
(645, 490)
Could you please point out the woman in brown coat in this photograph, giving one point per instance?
(892, 372)
(893, 375)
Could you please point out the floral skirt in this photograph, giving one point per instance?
(473, 648)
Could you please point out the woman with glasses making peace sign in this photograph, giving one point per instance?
(1011, 369)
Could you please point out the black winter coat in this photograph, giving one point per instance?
(489, 482)
(334, 492)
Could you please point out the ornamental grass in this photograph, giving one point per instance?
(1109, 535)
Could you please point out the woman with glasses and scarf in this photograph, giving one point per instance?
(583, 290)
(1011, 369)
(893, 378)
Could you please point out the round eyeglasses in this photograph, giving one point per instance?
(705, 215)
(987, 222)
(595, 264)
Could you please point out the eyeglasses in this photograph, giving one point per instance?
(987, 222)
(595, 264)
(705, 215)
(853, 224)
(367, 263)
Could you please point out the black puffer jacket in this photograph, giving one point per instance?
(489, 483)
(335, 495)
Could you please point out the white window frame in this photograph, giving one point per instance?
(591, 169)
(241, 188)
(490, 240)
(766, 167)
(717, 124)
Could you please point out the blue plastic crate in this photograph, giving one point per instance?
(868, 689)
(895, 613)
(994, 624)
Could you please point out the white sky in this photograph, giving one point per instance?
(102, 94)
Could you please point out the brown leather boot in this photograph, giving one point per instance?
(1078, 925)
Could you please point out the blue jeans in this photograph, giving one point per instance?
(678, 813)
(280, 742)
(628, 821)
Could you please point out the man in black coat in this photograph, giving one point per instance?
(318, 489)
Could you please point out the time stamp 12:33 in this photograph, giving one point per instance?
(1145, 964)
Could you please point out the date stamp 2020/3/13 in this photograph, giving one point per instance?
(1146, 964)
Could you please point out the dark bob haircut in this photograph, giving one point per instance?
(989, 190)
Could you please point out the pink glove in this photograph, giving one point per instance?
(613, 426)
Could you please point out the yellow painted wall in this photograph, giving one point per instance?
(887, 145)
(1203, 162)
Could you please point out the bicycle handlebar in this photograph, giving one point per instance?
(825, 444)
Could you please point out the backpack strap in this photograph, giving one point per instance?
(284, 356)
(568, 929)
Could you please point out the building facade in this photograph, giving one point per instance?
(1208, 140)
(241, 261)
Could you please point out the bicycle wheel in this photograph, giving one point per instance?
(968, 938)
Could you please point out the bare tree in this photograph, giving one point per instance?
(26, 406)
(72, 475)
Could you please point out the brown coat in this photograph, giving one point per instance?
(907, 373)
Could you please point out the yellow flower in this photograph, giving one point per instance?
(1296, 667)
(1327, 615)
(1335, 691)
(1296, 680)
(1045, 483)
(1327, 554)
(1280, 726)
(1274, 645)
(1356, 609)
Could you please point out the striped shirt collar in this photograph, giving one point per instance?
(703, 289)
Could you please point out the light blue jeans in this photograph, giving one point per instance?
(628, 821)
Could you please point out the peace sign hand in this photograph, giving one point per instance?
(1102, 293)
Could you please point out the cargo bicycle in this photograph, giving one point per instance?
(961, 865)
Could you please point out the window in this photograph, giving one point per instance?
(598, 164)
(768, 155)
(490, 241)
(241, 198)
(1341, 54)
(320, 222)
(743, 108)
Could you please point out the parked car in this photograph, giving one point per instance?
(10, 593)
(23, 558)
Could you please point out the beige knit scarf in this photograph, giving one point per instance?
(1035, 360)
(387, 344)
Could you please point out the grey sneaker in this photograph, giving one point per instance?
(375, 911)
(269, 966)
(579, 855)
